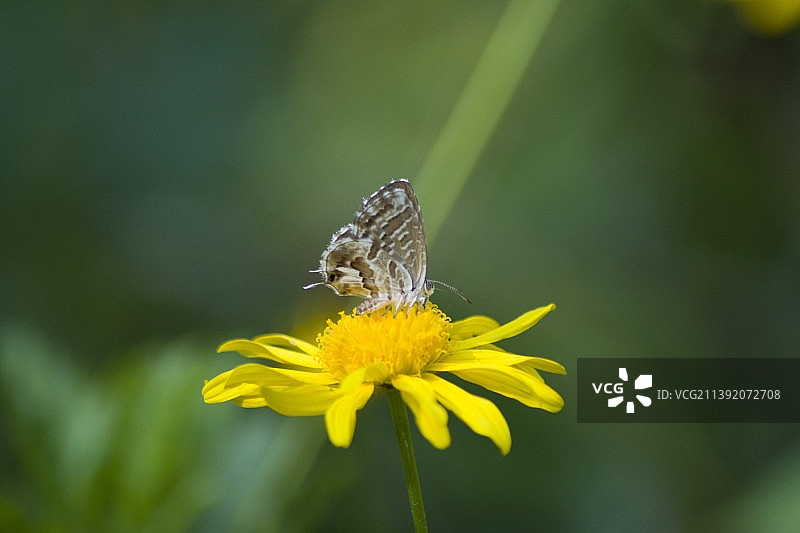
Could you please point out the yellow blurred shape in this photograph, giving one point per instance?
(770, 17)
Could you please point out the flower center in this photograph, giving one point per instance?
(405, 343)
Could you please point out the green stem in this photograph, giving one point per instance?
(403, 432)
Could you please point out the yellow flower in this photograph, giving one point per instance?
(363, 354)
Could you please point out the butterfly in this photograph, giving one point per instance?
(382, 255)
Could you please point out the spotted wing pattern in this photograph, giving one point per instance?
(381, 255)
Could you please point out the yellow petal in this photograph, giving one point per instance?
(302, 400)
(532, 372)
(303, 376)
(472, 326)
(243, 380)
(475, 358)
(540, 363)
(375, 373)
(215, 391)
(249, 401)
(481, 415)
(515, 327)
(340, 418)
(515, 383)
(431, 417)
(279, 339)
(281, 355)
(245, 347)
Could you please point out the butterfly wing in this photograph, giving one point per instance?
(351, 270)
(391, 220)
(382, 255)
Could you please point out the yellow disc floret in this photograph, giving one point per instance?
(404, 342)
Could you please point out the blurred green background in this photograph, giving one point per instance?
(171, 170)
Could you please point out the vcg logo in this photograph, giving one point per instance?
(644, 381)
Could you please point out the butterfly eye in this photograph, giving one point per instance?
(331, 277)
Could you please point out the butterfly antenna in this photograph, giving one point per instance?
(317, 284)
(452, 289)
